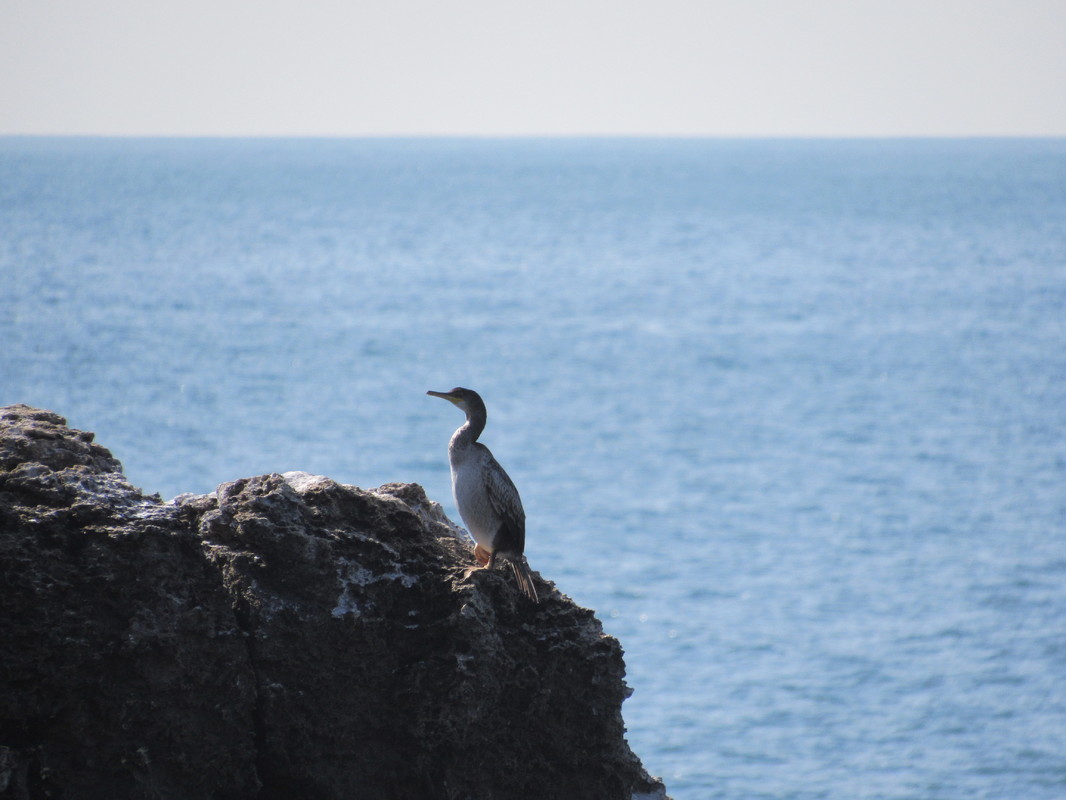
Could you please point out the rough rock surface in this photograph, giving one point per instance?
(284, 637)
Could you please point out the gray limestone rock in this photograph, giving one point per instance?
(286, 636)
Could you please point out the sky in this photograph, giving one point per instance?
(534, 68)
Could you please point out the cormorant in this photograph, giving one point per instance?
(486, 497)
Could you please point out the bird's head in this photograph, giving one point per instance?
(465, 399)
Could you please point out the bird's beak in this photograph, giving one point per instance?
(444, 395)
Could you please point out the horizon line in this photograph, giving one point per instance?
(544, 136)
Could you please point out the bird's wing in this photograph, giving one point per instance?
(505, 502)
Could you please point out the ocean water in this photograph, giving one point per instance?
(790, 415)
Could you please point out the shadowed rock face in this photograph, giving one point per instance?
(286, 636)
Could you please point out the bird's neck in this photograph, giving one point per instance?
(468, 432)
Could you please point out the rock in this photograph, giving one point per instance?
(286, 636)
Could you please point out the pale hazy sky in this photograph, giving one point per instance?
(498, 67)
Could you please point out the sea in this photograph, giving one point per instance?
(789, 415)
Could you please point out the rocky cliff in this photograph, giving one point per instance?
(284, 637)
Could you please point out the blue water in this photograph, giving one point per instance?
(790, 415)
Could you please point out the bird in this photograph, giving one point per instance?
(484, 493)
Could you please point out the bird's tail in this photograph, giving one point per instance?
(524, 577)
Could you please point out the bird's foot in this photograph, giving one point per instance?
(481, 555)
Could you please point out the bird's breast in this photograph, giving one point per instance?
(472, 500)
